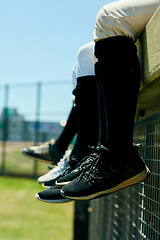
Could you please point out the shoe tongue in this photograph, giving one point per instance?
(73, 162)
(91, 150)
(103, 151)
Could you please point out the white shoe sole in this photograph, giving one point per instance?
(61, 184)
(45, 186)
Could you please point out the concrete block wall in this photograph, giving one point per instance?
(149, 54)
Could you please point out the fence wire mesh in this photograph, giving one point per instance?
(133, 213)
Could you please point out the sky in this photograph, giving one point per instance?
(39, 40)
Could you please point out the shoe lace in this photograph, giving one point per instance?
(98, 168)
(62, 164)
(86, 162)
(94, 172)
(92, 163)
(73, 165)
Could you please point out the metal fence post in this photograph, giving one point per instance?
(37, 123)
(81, 220)
(5, 128)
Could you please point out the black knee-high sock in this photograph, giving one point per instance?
(87, 115)
(119, 76)
(68, 132)
(101, 112)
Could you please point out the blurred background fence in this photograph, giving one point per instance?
(30, 114)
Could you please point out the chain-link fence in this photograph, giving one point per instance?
(30, 114)
(133, 213)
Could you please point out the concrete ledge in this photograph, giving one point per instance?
(149, 54)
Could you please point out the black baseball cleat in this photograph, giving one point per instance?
(83, 165)
(107, 174)
(62, 170)
(52, 195)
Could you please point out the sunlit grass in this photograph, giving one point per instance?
(16, 162)
(22, 217)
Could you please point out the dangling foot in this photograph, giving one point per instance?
(107, 174)
(47, 152)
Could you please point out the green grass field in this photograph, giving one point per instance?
(17, 163)
(23, 217)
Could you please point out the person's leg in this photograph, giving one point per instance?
(53, 151)
(119, 77)
(87, 116)
(119, 165)
(68, 132)
(101, 112)
(87, 129)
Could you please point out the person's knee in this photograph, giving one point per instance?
(85, 86)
